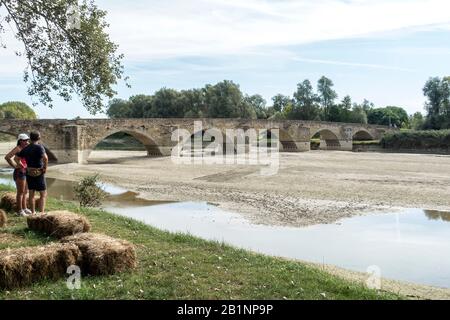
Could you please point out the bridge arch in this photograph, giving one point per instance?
(328, 139)
(147, 142)
(362, 135)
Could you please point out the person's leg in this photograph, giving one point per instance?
(18, 196)
(21, 198)
(42, 201)
(24, 198)
(41, 186)
(31, 201)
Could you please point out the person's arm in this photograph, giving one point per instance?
(19, 164)
(45, 163)
(45, 158)
(9, 157)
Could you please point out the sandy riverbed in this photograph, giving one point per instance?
(309, 188)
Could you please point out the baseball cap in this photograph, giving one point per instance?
(23, 136)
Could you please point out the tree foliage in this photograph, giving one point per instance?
(16, 110)
(226, 100)
(437, 92)
(67, 49)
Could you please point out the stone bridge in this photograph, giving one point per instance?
(69, 141)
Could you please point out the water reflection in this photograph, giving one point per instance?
(437, 215)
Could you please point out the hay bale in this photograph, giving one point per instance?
(8, 201)
(23, 266)
(3, 218)
(59, 223)
(103, 255)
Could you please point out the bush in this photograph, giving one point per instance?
(88, 192)
(417, 139)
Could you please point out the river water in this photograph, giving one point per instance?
(411, 245)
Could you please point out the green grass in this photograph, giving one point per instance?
(366, 142)
(179, 266)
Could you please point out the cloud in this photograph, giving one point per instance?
(154, 29)
(352, 64)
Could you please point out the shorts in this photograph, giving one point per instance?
(19, 175)
(37, 183)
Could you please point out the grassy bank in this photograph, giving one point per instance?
(177, 266)
(432, 139)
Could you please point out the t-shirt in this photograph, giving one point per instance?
(34, 155)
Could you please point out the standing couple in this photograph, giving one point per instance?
(29, 161)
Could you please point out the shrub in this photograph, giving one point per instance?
(88, 191)
(417, 139)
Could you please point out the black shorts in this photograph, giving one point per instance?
(37, 183)
(19, 175)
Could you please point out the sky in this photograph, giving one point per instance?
(380, 50)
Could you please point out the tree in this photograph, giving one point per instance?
(280, 102)
(358, 114)
(416, 121)
(326, 95)
(258, 104)
(119, 108)
(389, 116)
(437, 91)
(225, 100)
(305, 103)
(67, 49)
(194, 102)
(140, 105)
(16, 110)
(165, 104)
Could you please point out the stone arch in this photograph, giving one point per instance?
(150, 145)
(328, 139)
(362, 135)
(190, 142)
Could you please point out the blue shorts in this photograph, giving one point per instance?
(19, 175)
(37, 183)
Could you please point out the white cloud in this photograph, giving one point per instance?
(154, 29)
(352, 64)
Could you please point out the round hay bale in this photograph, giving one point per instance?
(59, 224)
(3, 218)
(103, 255)
(8, 201)
(24, 266)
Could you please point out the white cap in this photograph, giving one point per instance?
(23, 136)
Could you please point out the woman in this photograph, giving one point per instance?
(20, 174)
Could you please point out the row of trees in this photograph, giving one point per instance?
(226, 100)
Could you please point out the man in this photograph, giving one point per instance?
(37, 162)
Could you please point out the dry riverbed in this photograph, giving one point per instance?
(309, 188)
